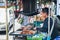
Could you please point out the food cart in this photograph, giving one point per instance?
(30, 12)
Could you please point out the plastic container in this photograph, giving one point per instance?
(38, 37)
(29, 38)
(41, 36)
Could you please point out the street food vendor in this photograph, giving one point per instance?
(55, 32)
(44, 14)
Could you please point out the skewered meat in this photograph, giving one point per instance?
(27, 32)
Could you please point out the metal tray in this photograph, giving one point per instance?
(17, 33)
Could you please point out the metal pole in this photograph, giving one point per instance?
(49, 22)
(52, 26)
(50, 31)
(6, 20)
(48, 36)
(13, 18)
(53, 18)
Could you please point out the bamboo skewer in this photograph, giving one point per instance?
(6, 20)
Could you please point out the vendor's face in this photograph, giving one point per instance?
(43, 14)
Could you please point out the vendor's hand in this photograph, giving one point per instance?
(34, 28)
(25, 28)
(22, 27)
